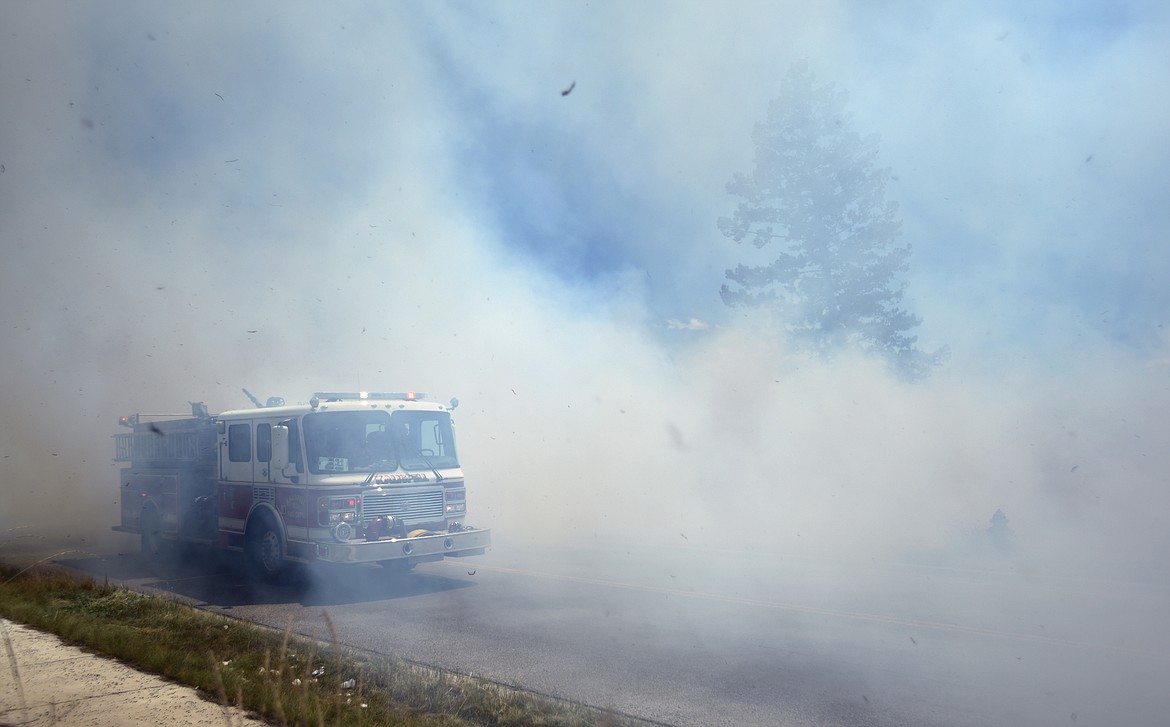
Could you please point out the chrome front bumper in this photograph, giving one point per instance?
(468, 541)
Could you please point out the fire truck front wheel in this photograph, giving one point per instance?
(265, 548)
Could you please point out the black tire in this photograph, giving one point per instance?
(265, 548)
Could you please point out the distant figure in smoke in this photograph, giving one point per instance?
(999, 535)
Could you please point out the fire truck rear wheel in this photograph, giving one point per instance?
(265, 548)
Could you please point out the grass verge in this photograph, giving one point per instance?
(281, 677)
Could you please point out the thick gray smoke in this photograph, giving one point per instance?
(194, 201)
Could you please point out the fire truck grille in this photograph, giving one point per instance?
(407, 506)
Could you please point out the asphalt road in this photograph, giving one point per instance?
(688, 636)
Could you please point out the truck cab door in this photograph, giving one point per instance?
(235, 452)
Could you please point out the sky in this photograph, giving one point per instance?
(200, 197)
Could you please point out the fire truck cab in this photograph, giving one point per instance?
(348, 478)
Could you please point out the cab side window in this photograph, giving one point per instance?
(263, 442)
(240, 442)
(294, 444)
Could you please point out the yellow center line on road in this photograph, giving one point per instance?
(835, 613)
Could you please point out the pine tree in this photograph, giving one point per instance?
(817, 194)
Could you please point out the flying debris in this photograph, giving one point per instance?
(569, 90)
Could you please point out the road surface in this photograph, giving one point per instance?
(691, 636)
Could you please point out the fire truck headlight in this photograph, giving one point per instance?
(342, 531)
(456, 508)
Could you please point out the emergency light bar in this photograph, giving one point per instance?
(343, 395)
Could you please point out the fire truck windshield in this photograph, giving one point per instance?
(369, 441)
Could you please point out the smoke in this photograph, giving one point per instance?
(192, 202)
(173, 233)
(727, 448)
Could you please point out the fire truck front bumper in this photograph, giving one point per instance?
(419, 549)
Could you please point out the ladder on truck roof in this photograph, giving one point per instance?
(167, 443)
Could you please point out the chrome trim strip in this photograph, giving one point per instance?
(405, 548)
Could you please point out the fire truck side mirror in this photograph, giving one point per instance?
(279, 447)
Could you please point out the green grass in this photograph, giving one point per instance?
(281, 677)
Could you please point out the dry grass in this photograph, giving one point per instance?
(280, 676)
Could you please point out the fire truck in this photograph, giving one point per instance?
(350, 477)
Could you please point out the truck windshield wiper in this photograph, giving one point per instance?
(424, 458)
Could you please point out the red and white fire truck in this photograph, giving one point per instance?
(347, 478)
